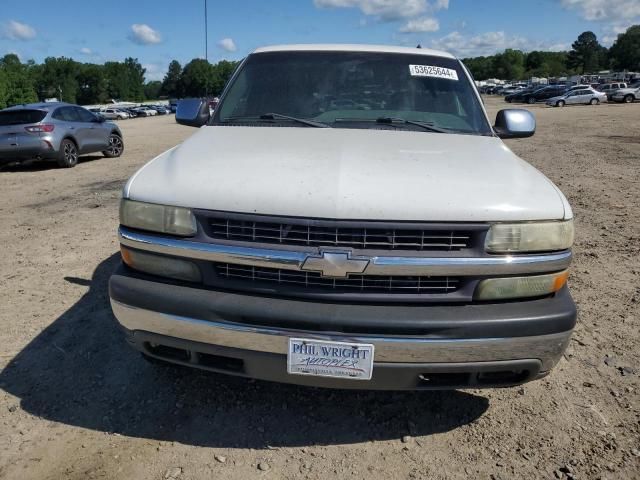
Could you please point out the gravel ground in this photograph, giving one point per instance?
(77, 403)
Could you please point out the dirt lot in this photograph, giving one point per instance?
(77, 403)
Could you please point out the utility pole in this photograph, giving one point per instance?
(206, 46)
(206, 33)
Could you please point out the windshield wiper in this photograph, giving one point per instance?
(279, 116)
(426, 125)
(393, 121)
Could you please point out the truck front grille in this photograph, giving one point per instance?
(314, 233)
(354, 283)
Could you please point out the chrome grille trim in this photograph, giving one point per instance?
(337, 234)
(378, 265)
(353, 283)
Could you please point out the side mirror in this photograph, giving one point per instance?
(192, 112)
(99, 118)
(515, 123)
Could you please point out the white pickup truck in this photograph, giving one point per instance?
(627, 95)
(348, 217)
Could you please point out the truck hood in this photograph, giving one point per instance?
(348, 174)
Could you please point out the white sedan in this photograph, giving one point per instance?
(114, 114)
(581, 96)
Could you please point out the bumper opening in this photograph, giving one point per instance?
(166, 352)
(205, 360)
(503, 377)
(219, 362)
(489, 378)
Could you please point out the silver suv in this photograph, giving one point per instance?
(55, 131)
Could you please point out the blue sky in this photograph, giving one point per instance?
(157, 31)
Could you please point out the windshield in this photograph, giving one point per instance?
(353, 90)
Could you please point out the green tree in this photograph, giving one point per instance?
(554, 65)
(222, 73)
(171, 82)
(197, 78)
(587, 54)
(152, 90)
(480, 67)
(135, 78)
(546, 64)
(4, 89)
(534, 61)
(58, 77)
(509, 65)
(625, 52)
(19, 81)
(92, 85)
(125, 80)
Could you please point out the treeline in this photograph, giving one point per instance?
(587, 55)
(88, 83)
(197, 78)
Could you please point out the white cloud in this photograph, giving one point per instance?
(418, 25)
(86, 51)
(155, 71)
(485, 44)
(387, 10)
(490, 43)
(227, 44)
(143, 34)
(604, 9)
(14, 30)
(615, 16)
(554, 47)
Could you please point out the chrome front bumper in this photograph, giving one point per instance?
(548, 349)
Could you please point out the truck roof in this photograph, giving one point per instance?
(352, 48)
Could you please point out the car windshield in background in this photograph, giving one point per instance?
(21, 117)
(353, 90)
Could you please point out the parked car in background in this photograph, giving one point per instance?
(570, 88)
(627, 95)
(544, 93)
(335, 250)
(510, 90)
(133, 112)
(56, 131)
(173, 105)
(213, 104)
(578, 96)
(114, 114)
(518, 95)
(609, 88)
(161, 109)
(145, 111)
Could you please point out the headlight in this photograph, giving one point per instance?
(157, 218)
(529, 237)
(159, 265)
(520, 287)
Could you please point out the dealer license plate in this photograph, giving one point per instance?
(330, 359)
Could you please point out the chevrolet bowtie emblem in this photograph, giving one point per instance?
(335, 264)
